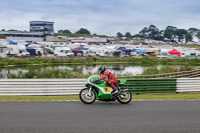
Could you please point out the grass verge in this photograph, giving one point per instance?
(97, 60)
(147, 96)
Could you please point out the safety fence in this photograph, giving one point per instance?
(163, 85)
(41, 86)
(73, 86)
(150, 85)
(188, 84)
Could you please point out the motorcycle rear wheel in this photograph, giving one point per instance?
(85, 97)
(125, 97)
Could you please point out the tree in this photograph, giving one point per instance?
(3, 30)
(60, 31)
(153, 32)
(128, 34)
(64, 31)
(169, 33)
(188, 37)
(83, 31)
(144, 32)
(193, 32)
(181, 34)
(198, 35)
(161, 35)
(119, 34)
(67, 31)
(136, 35)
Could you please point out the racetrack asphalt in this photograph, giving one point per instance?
(100, 117)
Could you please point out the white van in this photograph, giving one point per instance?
(88, 53)
(106, 53)
(17, 50)
(163, 53)
(63, 52)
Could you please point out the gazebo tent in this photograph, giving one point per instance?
(32, 51)
(11, 42)
(139, 51)
(127, 51)
(82, 48)
(77, 52)
(175, 52)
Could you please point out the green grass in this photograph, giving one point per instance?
(147, 96)
(168, 96)
(186, 65)
(57, 73)
(98, 60)
(167, 69)
(50, 73)
(38, 98)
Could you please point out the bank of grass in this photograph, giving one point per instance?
(59, 73)
(49, 73)
(98, 60)
(56, 73)
(168, 96)
(147, 96)
(167, 69)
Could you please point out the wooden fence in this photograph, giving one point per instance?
(182, 74)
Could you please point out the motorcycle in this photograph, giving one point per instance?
(101, 91)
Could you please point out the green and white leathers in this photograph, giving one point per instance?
(101, 91)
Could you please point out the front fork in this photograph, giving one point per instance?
(89, 92)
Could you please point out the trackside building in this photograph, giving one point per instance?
(23, 35)
(38, 32)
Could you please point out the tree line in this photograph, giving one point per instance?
(80, 31)
(170, 34)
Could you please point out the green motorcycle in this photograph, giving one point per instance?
(101, 91)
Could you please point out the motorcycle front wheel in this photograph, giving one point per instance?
(86, 97)
(125, 97)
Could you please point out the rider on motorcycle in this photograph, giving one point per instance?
(111, 80)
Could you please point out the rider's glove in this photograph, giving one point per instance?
(95, 81)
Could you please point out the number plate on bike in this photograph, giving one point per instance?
(107, 89)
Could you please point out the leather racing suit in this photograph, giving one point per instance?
(111, 80)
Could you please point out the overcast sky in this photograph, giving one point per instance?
(101, 16)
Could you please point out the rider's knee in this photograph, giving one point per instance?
(108, 82)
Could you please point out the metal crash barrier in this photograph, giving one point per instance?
(73, 86)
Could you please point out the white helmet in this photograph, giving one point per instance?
(101, 69)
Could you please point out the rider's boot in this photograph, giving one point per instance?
(115, 91)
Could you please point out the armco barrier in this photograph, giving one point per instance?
(188, 84)
(150, 85)
(41, 86)
(73, 86)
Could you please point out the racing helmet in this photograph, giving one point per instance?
(101, 69)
